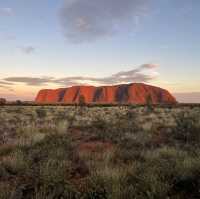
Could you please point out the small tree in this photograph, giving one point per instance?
(2, 101)
(149, 103)
(81, 101)
(18, 102)
(81, 104)
(41, 113)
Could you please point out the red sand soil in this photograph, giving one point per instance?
(95, 146)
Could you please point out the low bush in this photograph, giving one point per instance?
(41, 113)
(187, 129)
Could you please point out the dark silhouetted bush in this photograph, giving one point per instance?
(41, 112)
(2, 101)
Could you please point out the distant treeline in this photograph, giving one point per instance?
(28, 103)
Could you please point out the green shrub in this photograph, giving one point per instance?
(187, 128)
(16, 163)
(41, 113)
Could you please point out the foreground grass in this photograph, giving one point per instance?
(99, 153)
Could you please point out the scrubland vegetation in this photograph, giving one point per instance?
(51, 152)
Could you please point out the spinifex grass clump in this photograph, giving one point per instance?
(187, 128)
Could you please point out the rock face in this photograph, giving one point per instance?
(136, 93)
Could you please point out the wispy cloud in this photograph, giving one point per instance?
(31, 81)
(144, 73)
(5, 83)
(27, 49)
(5, 87)
(6, 12)
(86, 20)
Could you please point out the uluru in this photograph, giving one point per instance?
(134, 93)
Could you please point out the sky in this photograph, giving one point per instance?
(53, 44)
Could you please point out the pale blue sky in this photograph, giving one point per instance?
(34, 42)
